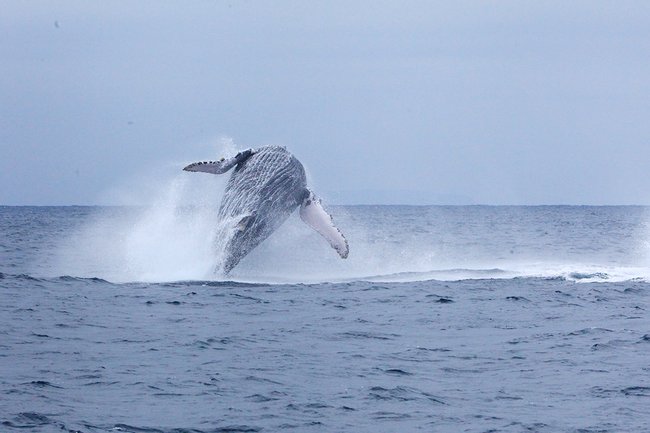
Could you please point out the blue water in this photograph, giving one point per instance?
(446, 319)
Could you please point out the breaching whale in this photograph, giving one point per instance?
(267, 185)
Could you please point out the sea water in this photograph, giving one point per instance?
(442, 319)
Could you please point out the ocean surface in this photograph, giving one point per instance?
(442, 319)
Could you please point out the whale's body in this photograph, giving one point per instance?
(263, 191)
(266, 186)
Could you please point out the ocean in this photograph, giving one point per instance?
(442, 319)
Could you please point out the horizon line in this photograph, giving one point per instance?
(367, 204)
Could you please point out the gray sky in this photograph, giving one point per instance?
(496, 102)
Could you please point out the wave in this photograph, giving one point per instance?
(574, 273)
(35, 421)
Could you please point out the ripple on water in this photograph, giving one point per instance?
(367, 335)
(43, 384)
(28, 420)
(401, 393)
(637, 391)
(397, 372)
(126, 428)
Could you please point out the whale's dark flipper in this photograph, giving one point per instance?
(316, 217)
(221, 166)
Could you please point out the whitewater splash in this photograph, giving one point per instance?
(173, 241)
(166, 241)
(178, 237)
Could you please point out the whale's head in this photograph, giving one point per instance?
(249, 232)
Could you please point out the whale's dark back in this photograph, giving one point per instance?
(263, 191)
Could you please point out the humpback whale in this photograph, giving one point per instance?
(266, 186)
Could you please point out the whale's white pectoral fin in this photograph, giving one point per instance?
(221, 166)
(312, 213)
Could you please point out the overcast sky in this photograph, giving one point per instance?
(494, 102)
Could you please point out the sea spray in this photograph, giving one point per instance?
(174, 240)
(169, 241)
(164, 228)
(178, 236)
